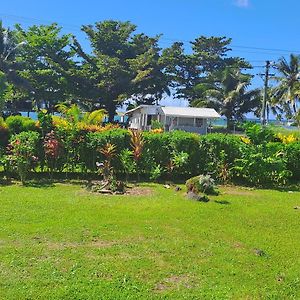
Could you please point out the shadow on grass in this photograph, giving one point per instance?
(223, 202)
(39, 184)
(293, 186)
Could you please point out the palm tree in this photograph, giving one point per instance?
(228, 94)
(74, 114)
(288, 90)
(8, 50)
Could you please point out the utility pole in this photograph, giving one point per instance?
(265, 96)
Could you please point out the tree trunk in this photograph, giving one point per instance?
(111, 110)
(229, 120)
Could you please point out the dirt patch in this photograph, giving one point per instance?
(101, 244)
(132, 191)
(92, 244)
(238, 245)
(238, 191)
(62, 246)
(174, 282)
(139, 191)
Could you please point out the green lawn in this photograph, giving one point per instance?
(63, 243)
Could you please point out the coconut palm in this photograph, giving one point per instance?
(288, 90)
(8, 50)
(227, 93)
(74, 114)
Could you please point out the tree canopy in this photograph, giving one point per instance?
(43, 67)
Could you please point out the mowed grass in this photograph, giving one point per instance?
(61, 242)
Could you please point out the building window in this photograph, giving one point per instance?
(199, 122)
(186, 121)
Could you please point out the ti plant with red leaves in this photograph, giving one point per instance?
(109, 151)
(137, 145)
(53, 150)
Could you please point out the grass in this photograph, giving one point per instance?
(278, 129)
(59, 242)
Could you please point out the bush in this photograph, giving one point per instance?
(4, 134)
(22, 153)
(96, 140)
(261, 166)
(201, 184)
(259, 134)
(293, 159)
(217, 154)
(18, 124)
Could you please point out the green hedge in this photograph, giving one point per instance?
(214, 154)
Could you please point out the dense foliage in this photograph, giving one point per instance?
(262, 157)
(41, 67)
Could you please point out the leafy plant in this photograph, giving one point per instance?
(259, 166)
(177, 161)
(128, 164)
(259, 134)
(156, 172)
(21, 153)
(106, 169)
(45, 122)
(18, 124)
(201, 184)
(155, 124)
(137, 144)
(53, 150)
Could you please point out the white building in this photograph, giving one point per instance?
(189, 119)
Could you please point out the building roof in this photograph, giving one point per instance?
(128, 112)
(190, 112)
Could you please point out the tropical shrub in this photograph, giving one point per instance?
(21, 156)
(293, 159)
(188, 143)
(217, 154)
(155, 124)
(127, 162)
(94, 140)
(4, 134)
(137, 145)
(260, 166)
(201, 184)
(105, 168)
(259, 134)
(18, 124)
(53, 150)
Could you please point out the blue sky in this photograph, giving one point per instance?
(271, 24)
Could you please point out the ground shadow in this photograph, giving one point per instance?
(39, 184)
(223, 202)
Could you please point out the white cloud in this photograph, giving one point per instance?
(242, 3)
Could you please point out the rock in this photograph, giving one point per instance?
(290, 192)
(296, 207)
(178, 188)
(166, 186)
(259, 252)
(193, 196)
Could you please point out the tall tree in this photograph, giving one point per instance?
(9, 65)
(43, 55)
(209, 55)
(3, 89)
(228, 93)
(122, 65)
(288, 90)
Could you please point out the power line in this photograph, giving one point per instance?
(77, 28)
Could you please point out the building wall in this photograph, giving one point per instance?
(141, 120)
